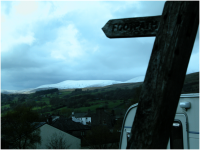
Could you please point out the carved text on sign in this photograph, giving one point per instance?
(136, 26)
(132, 27)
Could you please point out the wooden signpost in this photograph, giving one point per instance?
(166, 71)
(132, 27)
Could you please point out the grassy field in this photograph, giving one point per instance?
(94, 104)
(64, 93)
(48, 108)
(93, 107)
(191, 84)
(98, 104)
(36, 108)
(5, 106)
(85, 109)
(46, 100)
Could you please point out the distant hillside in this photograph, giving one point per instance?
(74, 84)
(191, 84)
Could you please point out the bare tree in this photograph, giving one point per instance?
(57, 141)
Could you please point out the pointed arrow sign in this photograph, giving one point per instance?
(132, 27)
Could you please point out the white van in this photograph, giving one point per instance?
(185, 130)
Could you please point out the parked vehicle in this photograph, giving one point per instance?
(185, 128)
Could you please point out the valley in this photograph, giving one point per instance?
(54, 101)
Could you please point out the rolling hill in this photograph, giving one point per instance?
(191, 85)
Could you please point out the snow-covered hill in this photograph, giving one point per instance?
(71, 84)
(26, 91)
(136, 79)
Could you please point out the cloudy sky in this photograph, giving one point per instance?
(46, 42)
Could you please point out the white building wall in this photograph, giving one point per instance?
(87, 120)
(76, 119)
(47, 131)
(84, 120)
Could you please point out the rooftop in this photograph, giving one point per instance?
(69, 125)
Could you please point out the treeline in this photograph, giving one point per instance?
(72, 100)
(84, 98)
(43, 92)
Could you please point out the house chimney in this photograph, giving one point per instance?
(49, 120)
(99, 110)
(73, 115)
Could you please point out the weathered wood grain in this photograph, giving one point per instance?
(165, 75)
(132, 27)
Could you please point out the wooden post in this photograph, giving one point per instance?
(165, 75)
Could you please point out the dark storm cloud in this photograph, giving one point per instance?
(18, 58)
(30, 77)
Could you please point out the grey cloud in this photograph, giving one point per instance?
(146, 8)
(18, 57)
(116, 59)
(31, 77)
(46, 31)
(7, 5)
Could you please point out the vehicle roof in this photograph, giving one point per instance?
(190, 95)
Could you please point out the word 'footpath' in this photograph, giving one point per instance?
(132, 27)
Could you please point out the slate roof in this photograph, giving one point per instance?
(39, 124)
(89, 114)
(100, 116)
(69, 125)
(78, 115)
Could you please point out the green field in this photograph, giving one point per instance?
(98, 104)
(80, 101)
(5, 106)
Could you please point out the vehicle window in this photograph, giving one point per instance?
(176, 136)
